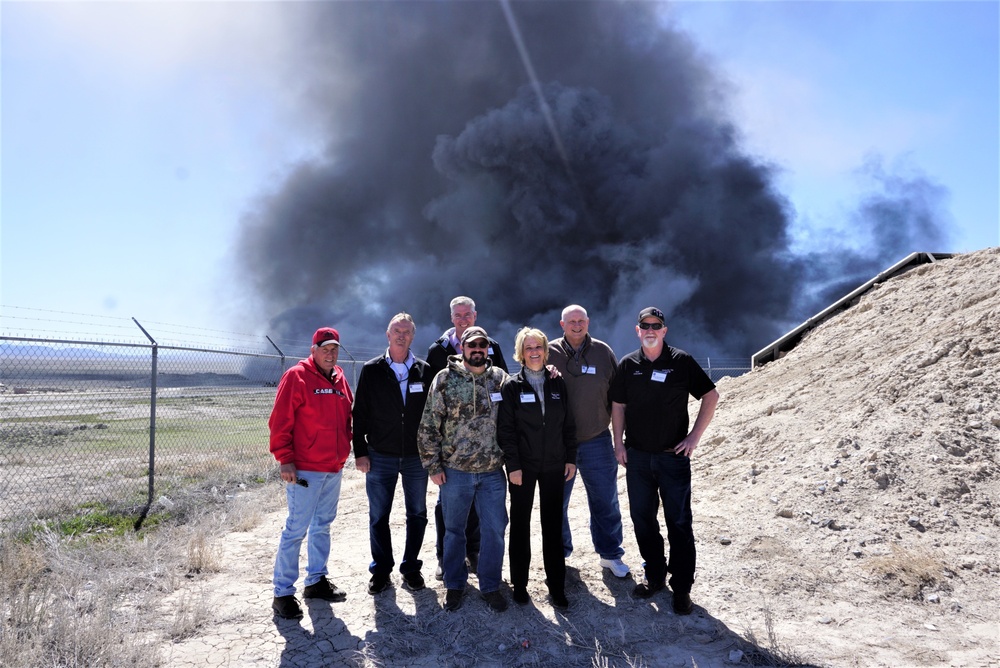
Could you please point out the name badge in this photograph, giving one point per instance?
(592, 370)
(416, 387)
(659, 376)
(496, 397)
(527, 398)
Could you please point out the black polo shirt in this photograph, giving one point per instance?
(655, 395)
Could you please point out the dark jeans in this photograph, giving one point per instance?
(472, 538)
(651, 478)
(380, 483)
(550, 505)
(597, 466)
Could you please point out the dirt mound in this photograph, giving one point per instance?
(845, 509)
(862, 466)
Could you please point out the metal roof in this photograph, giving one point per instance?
(778, 348)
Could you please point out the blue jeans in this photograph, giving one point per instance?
(650, 479)
(489, 491)
(311, 509)
(596, 464)
(380, 483)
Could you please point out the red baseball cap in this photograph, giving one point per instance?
(324, 336)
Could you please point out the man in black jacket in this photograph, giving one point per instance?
(388, 404)
(463, 316)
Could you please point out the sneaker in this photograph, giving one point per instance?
(453, 599)
(414, 580)
(287, 607)
(683, 604)
(439, 573)
(521, 596)
(618, 567)
(495, 600)
(324, 589)
(472, 561)
(378, 584)
(647, 589)
(559, 600)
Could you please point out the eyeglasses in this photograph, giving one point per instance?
(477, 343)
(651, 325)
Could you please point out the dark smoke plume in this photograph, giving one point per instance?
(442, 176)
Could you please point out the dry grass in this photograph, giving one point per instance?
(91, 600)
(770, 651)
(62, 609)
(190, 614)
(909, 571)
(202, 553)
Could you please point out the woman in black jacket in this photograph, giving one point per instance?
(536, 432)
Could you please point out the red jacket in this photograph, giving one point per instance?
(311, 419)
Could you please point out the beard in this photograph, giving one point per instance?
(649, 343)
(476, 359)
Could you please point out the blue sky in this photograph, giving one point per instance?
(134, 135)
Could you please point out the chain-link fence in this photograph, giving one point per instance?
(718, 368)
(85, 423)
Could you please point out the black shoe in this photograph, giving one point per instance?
(559, 600)
(414, 580)
(521, 596)
(647, 589)
(378, 584)
(472, 561)
(287, 607)
(453, 599)
(324, 589)
(496, 601)
(683, 604)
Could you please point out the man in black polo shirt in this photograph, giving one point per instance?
(649, 397)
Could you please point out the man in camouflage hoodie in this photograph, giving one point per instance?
(458, 447)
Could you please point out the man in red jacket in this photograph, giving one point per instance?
(311, 439)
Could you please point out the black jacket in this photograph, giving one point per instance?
(437, 354)
(529, 440)
(381, 422)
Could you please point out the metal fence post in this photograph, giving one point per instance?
(280, 352)
(152, 426)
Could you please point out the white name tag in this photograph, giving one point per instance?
(592, 370)
(659, 376)
(496, 396)
(416, 387)
(527, 398)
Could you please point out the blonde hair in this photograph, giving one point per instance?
(524, 333)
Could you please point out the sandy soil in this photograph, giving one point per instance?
(845, 507)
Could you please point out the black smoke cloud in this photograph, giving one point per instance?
(441, 176)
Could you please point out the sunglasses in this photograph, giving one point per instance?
(651, 325)
(477, 343)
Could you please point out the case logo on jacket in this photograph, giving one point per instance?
(328, 390)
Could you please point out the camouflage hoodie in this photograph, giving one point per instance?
(459, 426)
